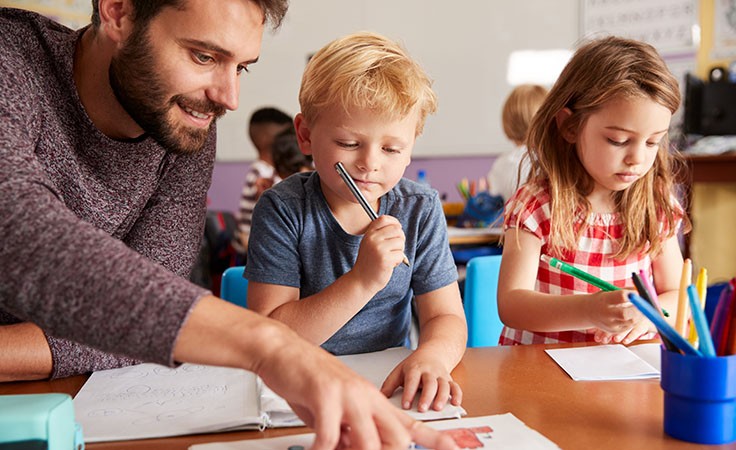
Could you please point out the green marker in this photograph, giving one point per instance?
(579, 274)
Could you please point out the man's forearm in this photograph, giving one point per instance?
(24, 353)
(222, 334)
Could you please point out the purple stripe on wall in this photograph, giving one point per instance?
(443, 174)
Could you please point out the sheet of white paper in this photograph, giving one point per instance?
(602, 362)
(498, 432)
(375, 367)
(149, 400)
(651, 353)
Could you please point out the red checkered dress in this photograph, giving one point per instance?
(593, 255)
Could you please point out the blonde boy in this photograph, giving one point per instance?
(316, 261)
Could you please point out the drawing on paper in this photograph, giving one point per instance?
(468, 437)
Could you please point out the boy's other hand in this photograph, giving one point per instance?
(426, 377)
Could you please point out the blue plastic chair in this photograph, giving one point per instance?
(233, 287)
(480, 302)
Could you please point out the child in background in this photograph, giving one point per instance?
(287, 159)
(287, 156)
(510, 168)
(316, 260)
(599, 197)
(264, 125)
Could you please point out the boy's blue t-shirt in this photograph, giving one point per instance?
(296, 241)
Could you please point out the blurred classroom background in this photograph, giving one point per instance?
(477, 51)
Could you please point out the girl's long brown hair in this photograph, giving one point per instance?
(599, 71)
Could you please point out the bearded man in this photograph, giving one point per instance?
(107, 143)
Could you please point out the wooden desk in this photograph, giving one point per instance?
(473, 236)
(522, 380)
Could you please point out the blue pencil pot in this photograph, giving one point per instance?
(699, 398)
(482, 210)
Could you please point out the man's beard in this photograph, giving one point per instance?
(141, 91)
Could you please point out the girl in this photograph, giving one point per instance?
(599, 197)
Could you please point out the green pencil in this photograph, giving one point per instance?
(577, 273)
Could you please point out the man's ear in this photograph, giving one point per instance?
(567, 132)
(116, 19)
(303, 134)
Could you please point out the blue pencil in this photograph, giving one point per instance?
(701, 325)
(663, 327)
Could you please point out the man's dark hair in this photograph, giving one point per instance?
(270, 115)
(145, 10)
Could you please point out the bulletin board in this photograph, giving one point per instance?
(669, 25)
(724, 32)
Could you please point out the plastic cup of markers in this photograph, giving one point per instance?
(699, 397)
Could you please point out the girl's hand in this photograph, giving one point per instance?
(640, 331)
(381, 250)
(421, 372)
(611, 312)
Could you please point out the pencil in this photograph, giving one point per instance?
(682, 309)
(642, 289)
(579, 274)
(730, 336)
(719, 324)
(644, 293)
(701, 284)
(359, 196)
(701, 325)
(652, 292)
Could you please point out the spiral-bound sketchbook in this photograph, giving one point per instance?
(150, 401)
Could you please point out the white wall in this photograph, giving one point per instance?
(463, 45)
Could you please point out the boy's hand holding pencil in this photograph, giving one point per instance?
(381, 251)
(363, 202)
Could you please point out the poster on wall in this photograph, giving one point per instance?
(724, 37)
(669, 25)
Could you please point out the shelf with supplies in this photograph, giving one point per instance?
(719, 168)
(474, 236)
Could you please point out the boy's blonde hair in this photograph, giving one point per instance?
(366, 70)
(518, 110)
(600, 71)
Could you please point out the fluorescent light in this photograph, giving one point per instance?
(536, 66)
